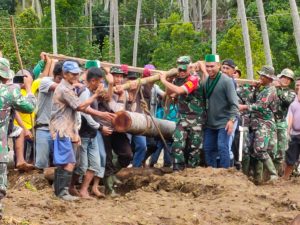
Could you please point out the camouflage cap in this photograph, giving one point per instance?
(267, 71)
(184, 60)
(133, 75)
(5, 70)
(116, 70)
(287, 73)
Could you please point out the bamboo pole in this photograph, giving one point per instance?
(154, 73)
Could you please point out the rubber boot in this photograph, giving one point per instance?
(271, 168)
(116, 180)
(258, 172)
(109, 187)
(62, 179)
(178, 167)
(246, 165)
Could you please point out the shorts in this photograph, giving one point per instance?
(16, 131)
(64, 153)
(293, 152)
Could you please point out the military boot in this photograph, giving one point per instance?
(109, 187)
(271, 168)
(258, 172)
(246, 165)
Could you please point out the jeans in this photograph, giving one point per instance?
(89, 156)
(167, 153)
(140, 149)
(43, 148)
(102, 153)
(216, 144)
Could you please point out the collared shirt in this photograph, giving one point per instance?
(63, 113)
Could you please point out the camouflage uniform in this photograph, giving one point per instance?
(10, 97)
(263, 122)
(188, 136)
(246, 96)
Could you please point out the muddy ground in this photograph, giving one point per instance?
(194, 196)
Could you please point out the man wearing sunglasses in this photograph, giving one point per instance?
(188, 136)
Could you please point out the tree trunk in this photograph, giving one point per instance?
(264, 31)
(23, 4)
(141, 124)
(53, 21)
(185, 6)
(296, 24)
(111, 28)
(200, 15)
(91, 19)
(214, 27)
(136, 33)
(106, 4)
(242, 14)
(116, 32)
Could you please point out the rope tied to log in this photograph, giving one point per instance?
(146, 111)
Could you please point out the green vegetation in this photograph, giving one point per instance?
(160, 44)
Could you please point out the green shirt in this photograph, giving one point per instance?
(222, 105)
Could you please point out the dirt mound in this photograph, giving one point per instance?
(151, 196)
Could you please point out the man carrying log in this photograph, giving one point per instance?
(117, 141)
(188, 136)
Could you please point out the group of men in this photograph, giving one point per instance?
(75, 110)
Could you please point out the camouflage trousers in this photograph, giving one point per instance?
(3, 179)
(188, 140)
(282, 140)
(265, 142)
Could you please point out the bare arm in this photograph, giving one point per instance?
(172, 88)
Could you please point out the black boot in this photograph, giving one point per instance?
(62, 179)
(178, 167)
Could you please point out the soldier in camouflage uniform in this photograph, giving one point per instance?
(245, 95)
(188, 136)
(263, 123)
(285, 97)
(10, 97)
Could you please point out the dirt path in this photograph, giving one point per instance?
(195, 196)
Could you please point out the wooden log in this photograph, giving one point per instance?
(154, 73)
(141, 124)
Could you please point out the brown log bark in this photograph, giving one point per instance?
(141, 124)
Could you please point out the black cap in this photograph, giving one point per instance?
(229, 62)
(132, 75)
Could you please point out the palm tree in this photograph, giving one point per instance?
(264, 31)
(53, 21)
(116, 31)
(214, 27)
(136, 32)
(296, 24)
(185, 5)
(242, 14)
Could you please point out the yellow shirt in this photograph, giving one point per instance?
(28, 119)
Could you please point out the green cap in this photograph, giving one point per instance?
(92, 63)
(287, 73)
(5, 70)
(116, 70)
(267, 71)
(212, 58)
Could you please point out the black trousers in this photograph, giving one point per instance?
(119, 143)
